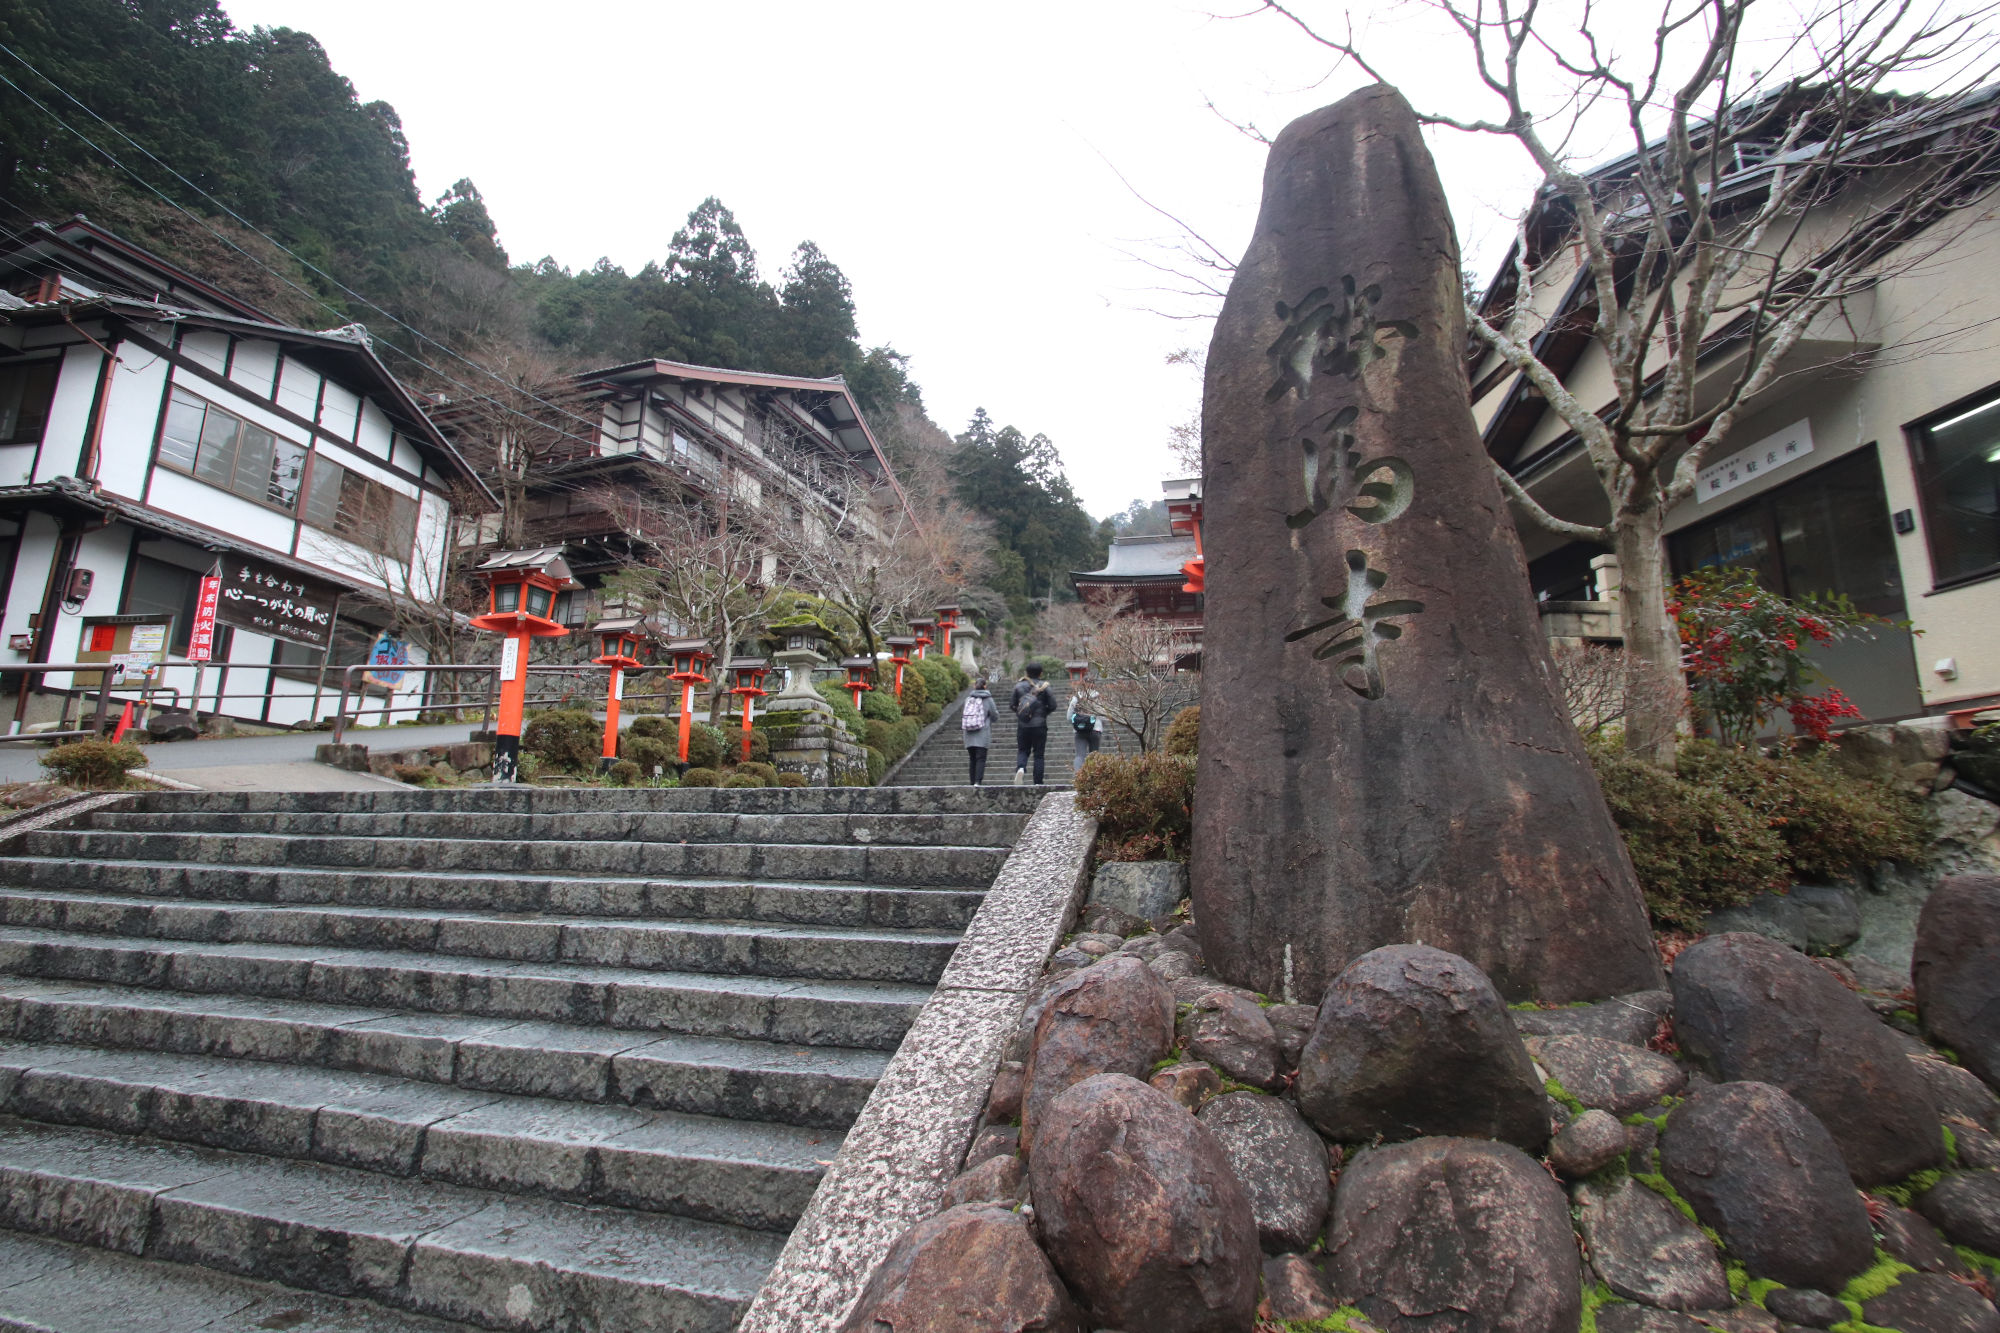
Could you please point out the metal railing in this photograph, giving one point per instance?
(598, 676)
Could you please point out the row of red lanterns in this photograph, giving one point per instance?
(521, 591)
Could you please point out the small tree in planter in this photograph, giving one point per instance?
(1744, 649)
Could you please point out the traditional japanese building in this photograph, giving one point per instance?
(155, 429)
(1157, 577)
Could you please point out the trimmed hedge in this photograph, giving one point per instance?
(647, 752)
(879, 704)
(1832, 824)
(1143, 804)
(1184, 733)
(624, 773)
(94, 763)
(791, 779)
(1696, 849)
(566, 738)
(700, 777)
(916, 691)
(757, 770)
(843, 707)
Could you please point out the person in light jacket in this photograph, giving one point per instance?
(978, 708)
(1086, 718)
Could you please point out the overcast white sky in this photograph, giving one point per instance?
(955, 160)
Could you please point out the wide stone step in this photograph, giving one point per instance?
(953, 830)
(748, 948)
(910, 907)
(955, 866)
(51, 1286)
(828, 1013)
(815, 1086)
(563, 801)
(750, 1173)
(503, 1262)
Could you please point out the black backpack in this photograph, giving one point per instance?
(1034, 706)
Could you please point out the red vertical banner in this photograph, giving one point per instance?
(202, 640)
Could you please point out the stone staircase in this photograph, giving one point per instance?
(940, 761)
(519, 1059)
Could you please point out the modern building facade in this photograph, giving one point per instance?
(155, 429)
(1869, 467)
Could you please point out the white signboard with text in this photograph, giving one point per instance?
(1746, 465)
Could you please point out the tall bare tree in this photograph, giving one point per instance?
(1766, 184)
(1132, 670)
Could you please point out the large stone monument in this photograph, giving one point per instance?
(1383, 759)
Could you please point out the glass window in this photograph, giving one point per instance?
(25, 393)
(1958, 470)
(365, 512)
(229, 453)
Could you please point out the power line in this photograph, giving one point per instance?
(303, 263)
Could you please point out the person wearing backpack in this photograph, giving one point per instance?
(1087, 720)
(1032, 705)
(976, 721)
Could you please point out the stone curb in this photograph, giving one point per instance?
(51, 813)
(910, 1138)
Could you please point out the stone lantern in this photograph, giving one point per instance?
(900, 647)
(620, 641)
(803, 641)
(521, 592)
(690, 660)
(921, 626)
(749, 673)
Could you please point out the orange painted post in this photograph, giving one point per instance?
(521, 592)
(749, 673)
(619, 642)
(900, 646)
(947, 622)
(690, 659)
(858, 670)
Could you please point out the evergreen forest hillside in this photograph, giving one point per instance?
(245, 157)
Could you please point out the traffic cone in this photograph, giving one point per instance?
(124, 722)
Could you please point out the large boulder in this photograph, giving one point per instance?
(1631, 1019)
(1587, 1144)
(1363, 782)
(1956, 968)
(1149, 890)
(1965, 1205)
(1927, 1303)
(1607, 1075)
(1755, 1165)
(1412, 1040)
(1748, 1009)
(1294, 1289)
(1115, 1018)
(1453, 1236)
(1228, 1030)
(1910, 1237)
(973, 1269)
(1141, 1212)
(1647, 1250)
(1281, 1163)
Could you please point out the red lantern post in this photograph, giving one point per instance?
(690, 659)
(1077, 671)
(947, 622)
(619, 642)
(749, 673)
(521, 592)
(921, 626)
(1184, 517)
(858, 670)
(900, 647)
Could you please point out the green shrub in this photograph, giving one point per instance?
(961, 680)
(565, 738)
(624, 773)
(1144, 805)
(843, 707)
(647, 752)
(916, 691)
(1184, 732)
(791, 779)
(93, 763)
(906, 730)
(879, 704)
(931, 713)
(941, 676)
(1696, 848)
(878, 764)
(700, 777)
(883, 737)
(1832, 824)
(655, 726)
(742, 779)
(756, 770)
(704, 745)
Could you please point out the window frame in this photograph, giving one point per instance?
(405, 555)
(191, 470)
(1916, 439)
(27, 366)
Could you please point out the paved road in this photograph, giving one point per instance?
(289, 755)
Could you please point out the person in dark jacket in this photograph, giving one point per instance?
(978, 708)
(1032, 705)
